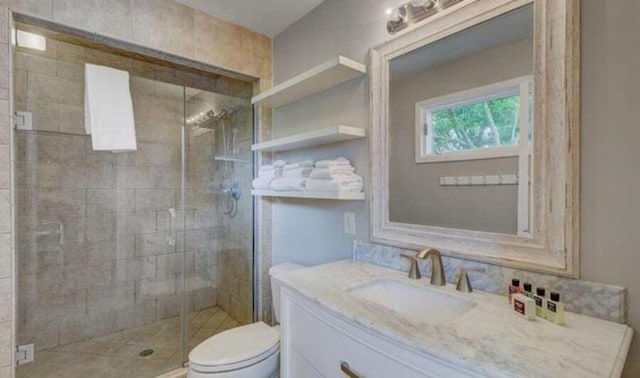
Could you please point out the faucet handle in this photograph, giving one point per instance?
(464, 284)
(414, 270)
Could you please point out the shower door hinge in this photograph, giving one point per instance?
(23, 121)
(24, 354)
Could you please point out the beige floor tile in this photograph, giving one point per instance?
(216, 320)
(117, 354)
(117, 338)
(228, 323)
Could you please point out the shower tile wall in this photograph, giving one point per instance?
(92, 226)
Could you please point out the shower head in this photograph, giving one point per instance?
(221, 114)
(208, 115)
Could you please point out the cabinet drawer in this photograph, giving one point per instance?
(326, 347)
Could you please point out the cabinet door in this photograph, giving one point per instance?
(327, 348)
(298, 366)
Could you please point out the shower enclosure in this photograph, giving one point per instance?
(126, 261)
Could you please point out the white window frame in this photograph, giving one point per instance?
(424, 109)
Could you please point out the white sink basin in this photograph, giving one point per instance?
(422, 303)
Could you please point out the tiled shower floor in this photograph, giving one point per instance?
(116, 355)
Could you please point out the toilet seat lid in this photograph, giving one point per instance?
(235, 348)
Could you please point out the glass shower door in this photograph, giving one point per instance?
(100, 235)
(219, 215)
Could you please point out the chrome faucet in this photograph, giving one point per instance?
(437, 271)
(414, 270)
(464, 284)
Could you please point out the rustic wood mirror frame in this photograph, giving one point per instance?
(553, 245)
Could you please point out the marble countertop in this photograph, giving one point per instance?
(489, 339)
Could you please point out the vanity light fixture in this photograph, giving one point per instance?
(414, 11)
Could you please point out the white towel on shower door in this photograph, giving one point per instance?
(109, 109)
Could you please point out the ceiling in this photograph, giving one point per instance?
(268, 17)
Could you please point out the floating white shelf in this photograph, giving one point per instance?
(332, 134)
(359, 196)
(233, 159)
(318, 79)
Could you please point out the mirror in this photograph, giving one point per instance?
(475, 134)
(457, 110)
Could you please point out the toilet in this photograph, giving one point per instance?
(250, 351)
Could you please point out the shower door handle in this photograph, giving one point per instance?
(171, 239)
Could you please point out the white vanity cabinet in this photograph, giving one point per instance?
(315, 343)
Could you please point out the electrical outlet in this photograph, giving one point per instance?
(350, 223)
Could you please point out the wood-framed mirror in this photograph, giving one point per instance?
(475, 134)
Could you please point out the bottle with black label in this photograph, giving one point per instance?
(527, 290)
(555, 309)
(541, 302)
(514, 288)
(524, 306)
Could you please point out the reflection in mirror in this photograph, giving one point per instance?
(460, 129)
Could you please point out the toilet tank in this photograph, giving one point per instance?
(275, 286)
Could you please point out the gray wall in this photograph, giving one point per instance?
(610, 178)
(415, 194)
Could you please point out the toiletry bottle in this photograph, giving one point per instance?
(541, 302)
(555, 309)
(524, 306)
(527, 289)
(514, 288)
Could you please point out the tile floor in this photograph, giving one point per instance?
(116, 355)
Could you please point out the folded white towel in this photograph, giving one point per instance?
(270, 172)
(329, 173)
(297, 173)
(333, 163)
(300, 164)
(108, 109)
(346, 183)
(284, 184)
(262, 182)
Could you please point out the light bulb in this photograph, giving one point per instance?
(396, 15)
(423, 3)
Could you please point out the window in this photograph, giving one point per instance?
(481, 123)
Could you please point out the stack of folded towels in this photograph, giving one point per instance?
(324, 176)
(334, 175)
(293, 177)
(267, 174)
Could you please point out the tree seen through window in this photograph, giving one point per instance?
(492, 123)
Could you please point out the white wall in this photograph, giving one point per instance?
(610, 239)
